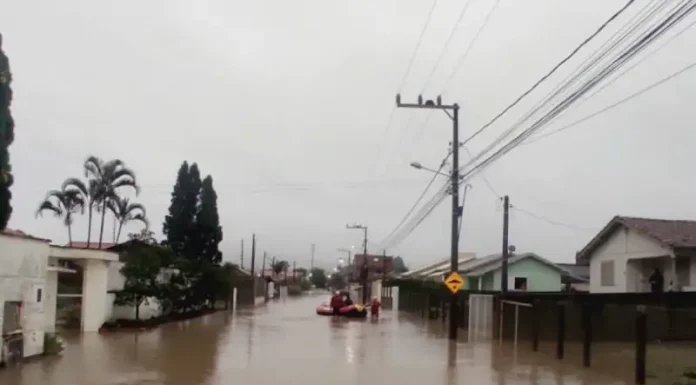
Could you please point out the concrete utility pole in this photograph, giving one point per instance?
(365, 273)
(454, 178)
(294, 271)
(241, 256)
(311, 263)
(263, 265)
(506, 252)
(253, 254)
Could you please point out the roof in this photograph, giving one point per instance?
(468, 265)
(440, 265)
(21, 234)
(671, 233)
(580, 271)
(92, 245)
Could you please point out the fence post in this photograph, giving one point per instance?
(560, 342)
(641, 342)
(536, 319)
(587, 340)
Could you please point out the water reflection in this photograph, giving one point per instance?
(289, 341)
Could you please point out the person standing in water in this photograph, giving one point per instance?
(336, 303)
(374, 307)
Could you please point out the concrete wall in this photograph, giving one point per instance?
(50, 296)
(540, 276)
(622, 246)
(94, 283)
(22, 277)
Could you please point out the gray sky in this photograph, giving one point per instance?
(286, 103)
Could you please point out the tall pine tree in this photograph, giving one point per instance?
(178, 224)
(6, 138)
(209, 232)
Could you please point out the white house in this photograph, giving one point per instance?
(29, 268)
(627, 250)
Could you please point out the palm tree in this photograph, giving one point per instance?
(63, 203)
(278, 267)
(89, 194)
(108, 178)
(125, 212)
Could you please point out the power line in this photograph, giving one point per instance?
(447, 43)
(613, 105)
(553, 70)
(462, 58)
(675, 17)
(550, 221)
(385, 132)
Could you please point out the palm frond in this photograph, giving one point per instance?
(47, 205)
(93, 167)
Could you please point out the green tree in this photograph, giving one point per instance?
(179, 225)
(336, 281)
(110, 177)
(64, 204)
(90, 192)
(208, 231)
(278, 267)
(399, 266)
(141, 272)
(318, 278)
(145, 236)
(124, 211)
(6, 138)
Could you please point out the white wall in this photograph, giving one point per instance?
(22, 274)
(116, 281)
(94, 283)
(51, 304)
(621, 246)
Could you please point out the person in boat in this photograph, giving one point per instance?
(347, 301)
(336, 302)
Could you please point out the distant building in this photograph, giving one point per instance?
(377, 265)
(623, 255)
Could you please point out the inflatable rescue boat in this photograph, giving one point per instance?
(351, 311)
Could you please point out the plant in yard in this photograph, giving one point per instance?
(141, 272)
(53, 344)
(63, 204)
(318, 278)
(279, 266)
(90, 192)
(125, 211)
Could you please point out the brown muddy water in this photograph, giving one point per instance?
(286, 342)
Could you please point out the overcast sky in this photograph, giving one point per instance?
(286, 104)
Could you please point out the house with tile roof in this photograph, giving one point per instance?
(526, 272)
(623, 255)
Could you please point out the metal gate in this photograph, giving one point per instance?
(481, 317)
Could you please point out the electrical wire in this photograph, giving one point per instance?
(385, 131)
(613, 105)
(462, 58)
(462, 13)
(551, 72)
(549, 221)
(675, 17)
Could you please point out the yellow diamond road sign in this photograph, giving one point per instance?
(454, 282)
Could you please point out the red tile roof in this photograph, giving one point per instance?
(22, 234)
(672, 233)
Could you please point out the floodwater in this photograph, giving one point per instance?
(286, 342)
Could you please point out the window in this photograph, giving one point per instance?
(607, 273)
(683, 265)
(520, 283)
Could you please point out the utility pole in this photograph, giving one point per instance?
(263, 265)
(253, 254)
(365, 268)
(241, 256)
(294, 271)
(454, 177)
(311, 263)
(506, 253)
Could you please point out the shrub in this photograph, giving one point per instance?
(294, 290)
(53, 344)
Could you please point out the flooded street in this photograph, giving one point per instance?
(287, 342)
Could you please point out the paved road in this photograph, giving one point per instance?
(286, 342)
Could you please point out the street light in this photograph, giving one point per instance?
(419, 166)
